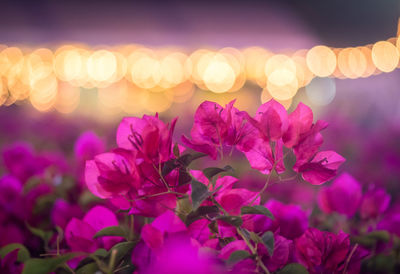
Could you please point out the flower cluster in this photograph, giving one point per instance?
(156, 205)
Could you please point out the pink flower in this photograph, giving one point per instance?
(280, 254)
(300, 122)
(165, 236)
(88, 146)
(271, 120)
(19, 159)
(309, 143)
(14, 234)
(343, 196)
(260, 156)
(9, 263)
(374, 203)
(215, 127)
(149, 137)
(63, 212)
(291, 220)
(322, 251)
(112, 174)
(79, 233)
(231, 199)
(165, 225)
(11, 199)
(179, 256)
(321, 168)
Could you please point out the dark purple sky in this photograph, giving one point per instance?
(273, 24)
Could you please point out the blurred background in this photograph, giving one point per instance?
(67, 67)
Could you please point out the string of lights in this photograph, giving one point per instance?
(134, 77)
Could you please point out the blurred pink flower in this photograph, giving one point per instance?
(374, 202)
(280, 254)
(290, 220)
(62, 212)
(79, 233)
(343, 196)
(87, 146)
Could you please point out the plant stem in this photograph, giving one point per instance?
(112, 261)
(161, 176)
(349, 258)
(264, 187)
(253, 251)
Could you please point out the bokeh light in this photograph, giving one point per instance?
(385, 56)
(321, 91)
(321, 60)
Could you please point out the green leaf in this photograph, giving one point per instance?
(213, 226)
(237, 256)
(212, 171)
(199, 193)
(269, 242)
(186, 159)
(381, 235)
(23, 252)
(293, 268)
(112, 231)
(184, 177)
(101, 252)
(44, 235)
(372, 238)
(44, 266)
(232, 220)
(88, 268)
(257, 209)
(44, 204)
(380, 263)
(168, 167)
(122, 249)
(224, 241)
(200, 212)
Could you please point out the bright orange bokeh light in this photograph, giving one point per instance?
(321, 61)
(385, 56)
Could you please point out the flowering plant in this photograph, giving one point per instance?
(158, 206)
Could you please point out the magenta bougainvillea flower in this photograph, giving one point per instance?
(343, 196)
(112, 174)
(321, 168)
(391, 220)
(280, 256)
(9, 263)
(271, 120)
(149, 137)
(374, 202)
(178, 214)
(179, 256)
(290, 220)
(19, 159)
(88, 146)
(63, 212)
(322, 251)
(263, 137)
(11, 197)
(231, 199)
(79, 233)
